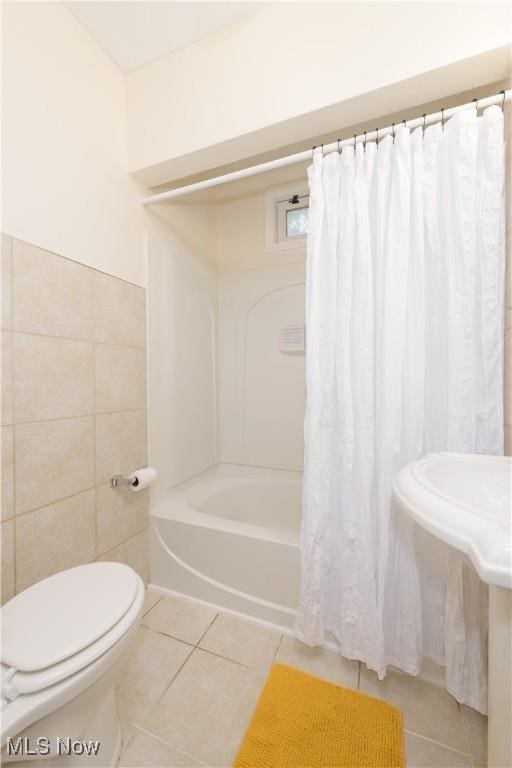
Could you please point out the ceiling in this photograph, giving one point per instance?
(135, 33)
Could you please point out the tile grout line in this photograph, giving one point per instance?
(122, 542)
(437, 743)
(166, 634)
(167, 743)
(84, 339)
(466, 737)
(150, 609)
(278, 647)
(171, 681)
(91, 415)
(207, 628)
(224, 658)
(66, 498)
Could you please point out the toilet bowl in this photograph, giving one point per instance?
(64, 643)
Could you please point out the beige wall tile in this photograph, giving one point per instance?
(7, 560)
(120, 378)
(53, 378)
(56, 537)
(6, 281)
(49, 302)
(133, 552)
(121, 443)
(6, 470)
(508, 440)
(53, 459)
(508, 378)
(7, 394)
(120, 311)
(120, 514)
(51, 295)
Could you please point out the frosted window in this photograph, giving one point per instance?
(297, 222)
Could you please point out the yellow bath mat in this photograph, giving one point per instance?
(301, 721)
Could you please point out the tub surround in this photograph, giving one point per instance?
(73, 413)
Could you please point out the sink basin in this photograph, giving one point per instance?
(465, 500)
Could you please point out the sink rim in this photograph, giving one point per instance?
(418, 471)
(482, 537)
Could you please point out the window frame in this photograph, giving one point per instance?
(276, 206)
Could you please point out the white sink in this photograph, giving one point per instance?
(465, 500)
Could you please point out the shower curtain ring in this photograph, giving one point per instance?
(377, 142)
(442, 118)
(475, 102)
(364, 142)
(424, 122)
(339, 151)
(313, 150)
(503, 102)
(393, 126)
(355, 137)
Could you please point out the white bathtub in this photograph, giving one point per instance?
(231, 538)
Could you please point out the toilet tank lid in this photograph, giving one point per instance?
(65, 613)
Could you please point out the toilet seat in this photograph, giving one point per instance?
(96, 605)
(75, 674)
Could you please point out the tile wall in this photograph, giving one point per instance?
(73, 414)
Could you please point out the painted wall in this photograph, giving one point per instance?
(64, 175)
(182, 297)
(73, 414)
(296, 70)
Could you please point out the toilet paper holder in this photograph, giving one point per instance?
(138, 480)
(117, 480)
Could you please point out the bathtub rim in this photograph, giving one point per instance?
(176, 503)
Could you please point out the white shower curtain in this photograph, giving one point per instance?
(404, 305)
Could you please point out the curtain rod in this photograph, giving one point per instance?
(281, 162)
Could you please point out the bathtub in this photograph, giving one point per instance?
(230, 538)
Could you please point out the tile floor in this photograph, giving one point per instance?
(194, 677)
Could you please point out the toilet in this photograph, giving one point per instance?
(64, 643)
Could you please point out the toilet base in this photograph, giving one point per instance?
(72, 732)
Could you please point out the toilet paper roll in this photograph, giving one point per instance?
(143, 478)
